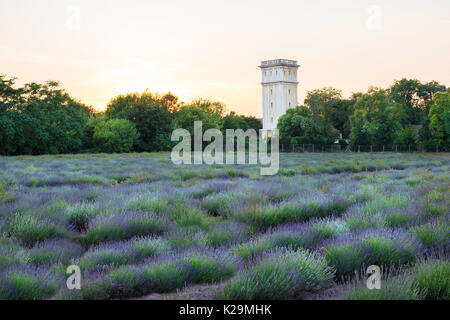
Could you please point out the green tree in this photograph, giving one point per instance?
(39, 119)
(405, 136)
(151, 113)
(253, 123)
(374, 119)
(210, 113)
(340, 112)
(440, 119)
(297, 126)
(415, 98)
(115, 135)
(320, 101)
(233, 121)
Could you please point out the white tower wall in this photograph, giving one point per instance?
(279, 90)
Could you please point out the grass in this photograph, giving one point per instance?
(433, 278)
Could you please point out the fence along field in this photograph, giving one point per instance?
(137, 225)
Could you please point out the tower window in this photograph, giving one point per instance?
(289, 91)
(271, 105)
(271, 120)
(289, 104)
(271, 92)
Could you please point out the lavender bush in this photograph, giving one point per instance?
(137, 224)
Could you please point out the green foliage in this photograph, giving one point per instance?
(131, 281)
(108, 257)
(210, 113)
(27, 285)
(415, 98)
(349, 258)
(285, 274)
(433, 235)
(405, 136)
(29, 229)
(321, 102)
(115, 135)
(39, 118)
(374, 121)
(152, 115)
(297, 126)
(433, 278)
(44, 119)
(79, 214)
(116, 228)
(440, 118)
(392, 288)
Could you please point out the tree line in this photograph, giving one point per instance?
(408, 113)
(43, 119)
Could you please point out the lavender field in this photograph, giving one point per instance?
(140, 227)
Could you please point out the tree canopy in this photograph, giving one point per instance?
(39, 119)
(45, 119)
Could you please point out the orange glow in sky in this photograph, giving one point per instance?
(212, 49)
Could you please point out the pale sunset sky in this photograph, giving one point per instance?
(98, 49)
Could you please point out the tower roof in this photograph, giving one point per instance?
(279, 62)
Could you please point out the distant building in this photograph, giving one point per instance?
(279, 91)
(340, 137)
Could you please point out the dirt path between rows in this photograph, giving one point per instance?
(195, 292)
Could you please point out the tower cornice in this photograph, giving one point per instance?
(279, 63)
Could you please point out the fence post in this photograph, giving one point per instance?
(313, 147)
(396, 147)
(409, 148)
(437, 149)
(371, 148)
(282, 148)
(359, 148)
(383, 148)
(293, 146)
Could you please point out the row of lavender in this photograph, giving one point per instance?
(137, 224)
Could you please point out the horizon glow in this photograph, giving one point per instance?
(212, 49)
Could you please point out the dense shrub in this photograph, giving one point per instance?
(110, 255)
(124, 226)
(375, 247)
(227, 233)
(164, 275)
(54, 252)
(433, 278)
(433, 235)
(300, 209)
(284, 274)
(28, 283)
(401, 287)
(79, 214)
(293, 236)
(115, 135)
(29, 229)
